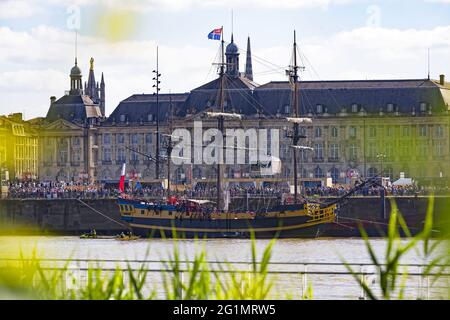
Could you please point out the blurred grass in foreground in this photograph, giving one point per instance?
(391, 276)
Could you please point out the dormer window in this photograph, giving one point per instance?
(150, 117)
(354, 108)
(390, 107)
(287, 109)
(319, 108)
(122, 118)
(423, 107)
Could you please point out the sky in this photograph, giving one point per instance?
(338, 40)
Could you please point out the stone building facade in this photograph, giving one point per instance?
(68, 135)
(359, 127)
(18, 149)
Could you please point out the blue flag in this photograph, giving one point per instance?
(216, 34)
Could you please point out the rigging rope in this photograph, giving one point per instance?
(103, 215)
(378, 223)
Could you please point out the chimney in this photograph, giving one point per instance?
(52, 100)
(442, 79)
(16, 117)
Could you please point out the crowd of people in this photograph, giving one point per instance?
(60, 190)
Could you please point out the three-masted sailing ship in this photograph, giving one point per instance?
(201, 218)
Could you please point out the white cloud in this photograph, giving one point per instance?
(149, 5)
(438, 1)
(372, 53)
(36, 64)
(40, 61)
(12, 9)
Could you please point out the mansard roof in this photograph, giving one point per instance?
(74, 108)
(138, 107)
(246, 97)
(372, 96)
(238, 96)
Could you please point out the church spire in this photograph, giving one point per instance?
(102, 96)
(248, 64)
(91, 89)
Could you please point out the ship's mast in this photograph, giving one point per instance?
(220, 127)
(169, 148)
(296, 136)
(156, 85)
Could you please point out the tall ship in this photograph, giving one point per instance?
(171, 217)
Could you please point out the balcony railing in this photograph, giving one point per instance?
(334, 160)
(107, 162)
(318, 160)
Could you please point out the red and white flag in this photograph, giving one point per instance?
(122, 180)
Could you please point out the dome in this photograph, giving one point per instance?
(232, 48)
(75, 71)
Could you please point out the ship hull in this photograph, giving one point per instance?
(284, 221)
(262, 227)
(155, 232)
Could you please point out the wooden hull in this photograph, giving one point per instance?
(281, 222)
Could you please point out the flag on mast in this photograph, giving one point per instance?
(122, 180)
(216, 34)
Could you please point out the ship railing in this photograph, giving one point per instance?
(317, 213)
(290, 278)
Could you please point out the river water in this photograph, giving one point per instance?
(287, 255)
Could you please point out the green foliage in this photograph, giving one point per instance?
(389, 269)
(28, 278)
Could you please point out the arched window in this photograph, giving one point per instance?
(354, 108)
(230, 173)
(388, 172)
(61, 176)
(318, 173)
(197, 173)
(373, 172)
(179, 175)
(122, 118)
(304, 173)
(334, 173)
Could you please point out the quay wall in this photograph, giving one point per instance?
(72, 217)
